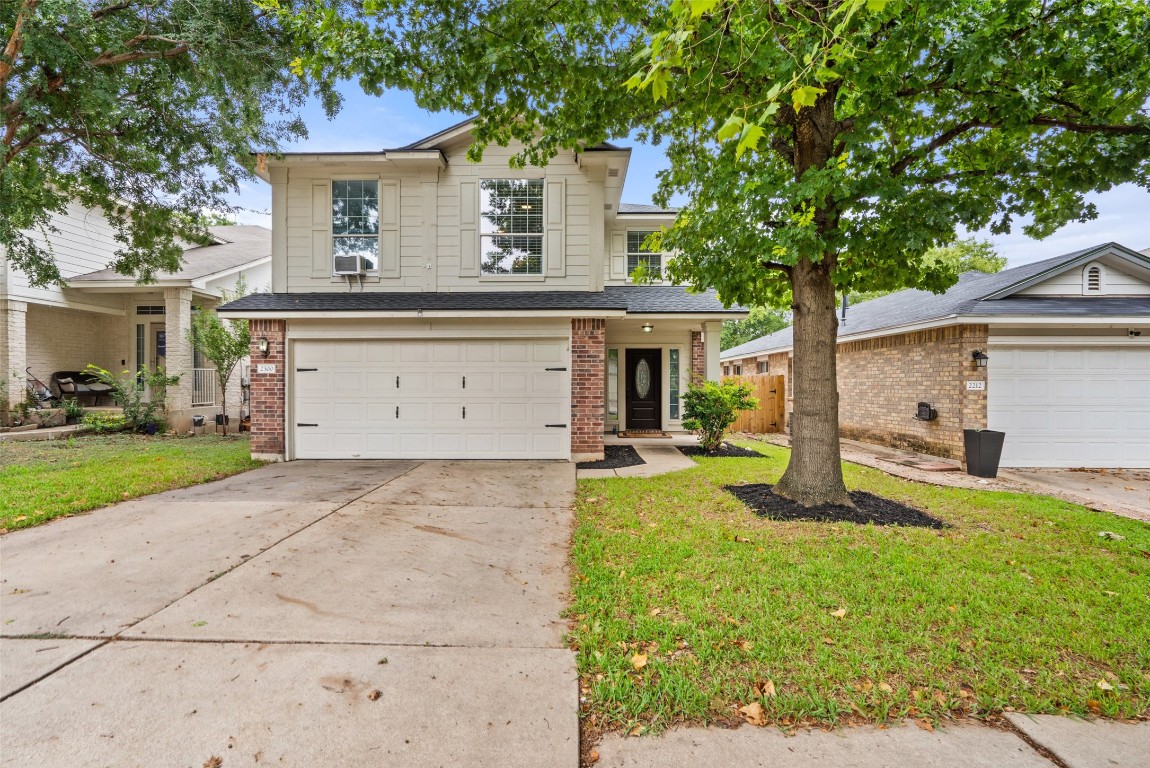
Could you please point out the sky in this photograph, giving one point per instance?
(367, 123)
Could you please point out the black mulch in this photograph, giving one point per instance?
(614, 457)
(870, 508)
(726, 450)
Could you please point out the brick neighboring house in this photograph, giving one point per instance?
(1066, 374)
(101, 317)
(424, 306)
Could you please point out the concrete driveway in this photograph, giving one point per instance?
(1122, 491)
(311, 613)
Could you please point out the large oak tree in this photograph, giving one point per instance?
(146, 109)
(824, 145)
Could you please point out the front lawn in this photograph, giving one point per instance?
(688, 607)
(41, 480)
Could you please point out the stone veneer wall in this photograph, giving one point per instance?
(268, 392)
(588, 361)
(882, 380)
(698, 356)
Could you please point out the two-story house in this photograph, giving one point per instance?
(424, 306)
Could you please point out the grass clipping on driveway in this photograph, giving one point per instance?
(689, 608)
(40, 480)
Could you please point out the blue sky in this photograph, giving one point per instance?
(369, 123)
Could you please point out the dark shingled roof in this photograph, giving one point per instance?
(968, 297)
(634, 299)
(240, 244)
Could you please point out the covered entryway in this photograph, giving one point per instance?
(1071, 406)
(644, 389)
(444, 398)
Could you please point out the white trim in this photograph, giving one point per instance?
(1069, 341)
(411, 314)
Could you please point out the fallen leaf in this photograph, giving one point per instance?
(840, 613)
(213, 762)
(1102, 685)
(593, 757)
(766, 689)
(21, 518)
(925, 724)
(744, 645)
(375, 694)
(1131, 488)
(656, 611)
(753, 714)
(885, 688)
(828, 641)
(952, 608)
(1094, 706)
(639, 660)
(1108, 593)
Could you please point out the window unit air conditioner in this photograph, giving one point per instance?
(349, 265)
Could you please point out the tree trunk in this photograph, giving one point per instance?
(224, 401)
(814, 475)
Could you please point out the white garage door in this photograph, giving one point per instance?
(443, 399)
(1071, 406)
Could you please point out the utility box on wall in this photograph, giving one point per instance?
(926, 412)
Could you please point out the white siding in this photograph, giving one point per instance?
(1115, 282)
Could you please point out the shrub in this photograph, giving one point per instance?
(140, 415)
(72, 408)
(101, 422)
(710, 408)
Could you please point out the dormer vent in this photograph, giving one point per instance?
(1092, 279)
(612, 173)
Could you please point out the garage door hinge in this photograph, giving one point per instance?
(556, 426)
(300, 370)
(554, 369)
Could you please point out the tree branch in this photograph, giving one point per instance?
(784, 268)
(100, 13)
(940, 140)
(111, 60)
(16, 40)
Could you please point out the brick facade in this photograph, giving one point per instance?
(698, 357)
(588, 360)
(268, 392)
(882, 380)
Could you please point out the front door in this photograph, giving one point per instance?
(644, 389)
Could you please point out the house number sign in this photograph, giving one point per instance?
(265, 367)
(976, 386)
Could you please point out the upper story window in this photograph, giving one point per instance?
(511, 226)
(355, 221)
(637, 254)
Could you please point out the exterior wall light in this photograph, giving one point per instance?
(647, 327)
(979, 358)
(264, 346)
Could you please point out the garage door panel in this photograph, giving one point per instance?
(1071, 406)
(509, 399)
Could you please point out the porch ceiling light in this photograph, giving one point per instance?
(647, 327)
(979, 358)
(265, 347)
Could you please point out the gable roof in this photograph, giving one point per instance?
(641, 208)
(464, 126)
(238, 246)
(975, 294)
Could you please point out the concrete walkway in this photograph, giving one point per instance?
(311, 613)
(660, 454)
(1066, 743)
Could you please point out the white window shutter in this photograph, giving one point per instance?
(321, 264)
(389, 201)
(468, 229)
(554, 241)
(618, 255)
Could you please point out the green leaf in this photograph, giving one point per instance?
(731, 128)
(876, 6)
(701, 7)
(752, 135)
(806, 96)
(659, 84)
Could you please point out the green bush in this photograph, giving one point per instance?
(140, 415)
(102, 422)
(710, 408)
(72, 408)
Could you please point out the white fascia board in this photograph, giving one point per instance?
(117, 286)
(700, 317)
(409, 314)
(1069, 341)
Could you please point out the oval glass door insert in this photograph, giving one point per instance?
(642, 378)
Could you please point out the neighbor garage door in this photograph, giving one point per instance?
(443, 399)
(1071, 406)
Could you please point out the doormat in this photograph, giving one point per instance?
(644, 433)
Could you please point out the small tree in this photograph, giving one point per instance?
(709, 408)
(140, 415)
(223, 343)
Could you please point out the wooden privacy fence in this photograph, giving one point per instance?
(771, 415)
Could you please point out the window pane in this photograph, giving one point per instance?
(511, 206)
(354, 207)
(635, 240)
(673, 361)
(612, 382)
(512, 255)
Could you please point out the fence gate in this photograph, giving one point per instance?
(771, 415)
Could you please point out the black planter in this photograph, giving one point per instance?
(221, 419)
(983, 450)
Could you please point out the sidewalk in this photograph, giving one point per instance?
(1043, 741)
(661, 454)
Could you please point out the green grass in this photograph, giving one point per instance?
(1019, 605)
(41, 480)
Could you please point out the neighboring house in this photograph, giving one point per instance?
(102, 317)
(1066, 372)
(424, 306)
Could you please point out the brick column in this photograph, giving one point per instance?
(588, 398)
(178, 360)
(13, 354)
(268, 392)
(972, 413)
(698, 360)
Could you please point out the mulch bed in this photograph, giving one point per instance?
(614, 457)
(726, 451)
(869, 508)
